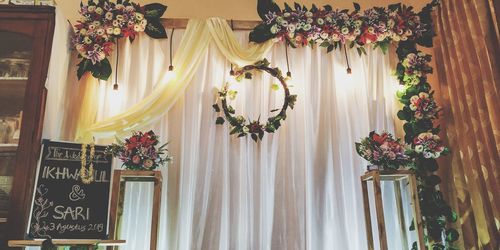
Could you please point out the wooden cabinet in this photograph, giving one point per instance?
(25, 42)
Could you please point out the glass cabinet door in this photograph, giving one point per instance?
(15, 58)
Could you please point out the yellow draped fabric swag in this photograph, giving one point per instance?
(194, 44)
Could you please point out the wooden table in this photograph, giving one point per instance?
(89, 243)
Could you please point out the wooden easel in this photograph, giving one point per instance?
(117, 197)
(62, 243)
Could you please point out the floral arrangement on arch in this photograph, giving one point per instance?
(383, 150)
(140, 151)
(332, 28)
(103, 22)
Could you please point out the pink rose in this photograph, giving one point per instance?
(136, 159)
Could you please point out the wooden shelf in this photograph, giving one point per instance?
(8, 148)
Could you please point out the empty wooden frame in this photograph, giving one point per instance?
(395, 176)
(120, 177)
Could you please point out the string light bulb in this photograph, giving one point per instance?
(349, 71)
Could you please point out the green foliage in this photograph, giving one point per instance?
(101, 70)
(155, 29)
(154, 11)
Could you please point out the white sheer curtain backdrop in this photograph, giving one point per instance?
(297, 189)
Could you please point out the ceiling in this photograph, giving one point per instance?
(229, 9)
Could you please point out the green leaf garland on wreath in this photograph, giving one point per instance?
(378, 27)
(102, 22)
(239, 125)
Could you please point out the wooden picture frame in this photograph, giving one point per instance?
(120, 177)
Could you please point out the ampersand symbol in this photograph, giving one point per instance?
(76, 193)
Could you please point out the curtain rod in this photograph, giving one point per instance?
(181, 23)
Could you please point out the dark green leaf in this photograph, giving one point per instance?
(254, 137)
(101, 70)
(216, 107)
(327, 7)
(261, 33)
(219, 121)
(412, 226)
(155, 29)
(83, 66)
(154, 10)
(274, 110)
(356, 6)
(432, 180)
(266, 6)
(451, 235)
(297, 6)
(329, 48)
(287, 7)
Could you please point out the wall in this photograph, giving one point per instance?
(229, 9)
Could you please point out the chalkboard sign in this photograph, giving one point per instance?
(63, 206)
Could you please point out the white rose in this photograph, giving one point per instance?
(291, 27)
(274, 29)
(91, 9)
(119, 17)
(286, 14)
(139, 16)
(413, 107)
(117, 31)
(320, 21)
(129, 8)
(115, 23)
(336, 37)
(404, 38)
(436, 155)
(371, 29)
(357, 32)
(309, 14)
(284, 23)
(324, 35)
(309, 20)
(109, 31)
(99, 10)
(100, 32)
(96, 23)
(307, 27)
(428, 155)
(408, 32)
(246, 129)
(419, 148)
(144, 22)
(345, 30)
(109, 15)
(119, 6)
(87, 40)
(83, 31)
(138, 28)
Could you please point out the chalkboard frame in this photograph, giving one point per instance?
(104, 235)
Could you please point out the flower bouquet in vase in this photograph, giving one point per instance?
(140, 151)
(383, 151)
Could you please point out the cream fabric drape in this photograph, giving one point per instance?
(198, 36)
